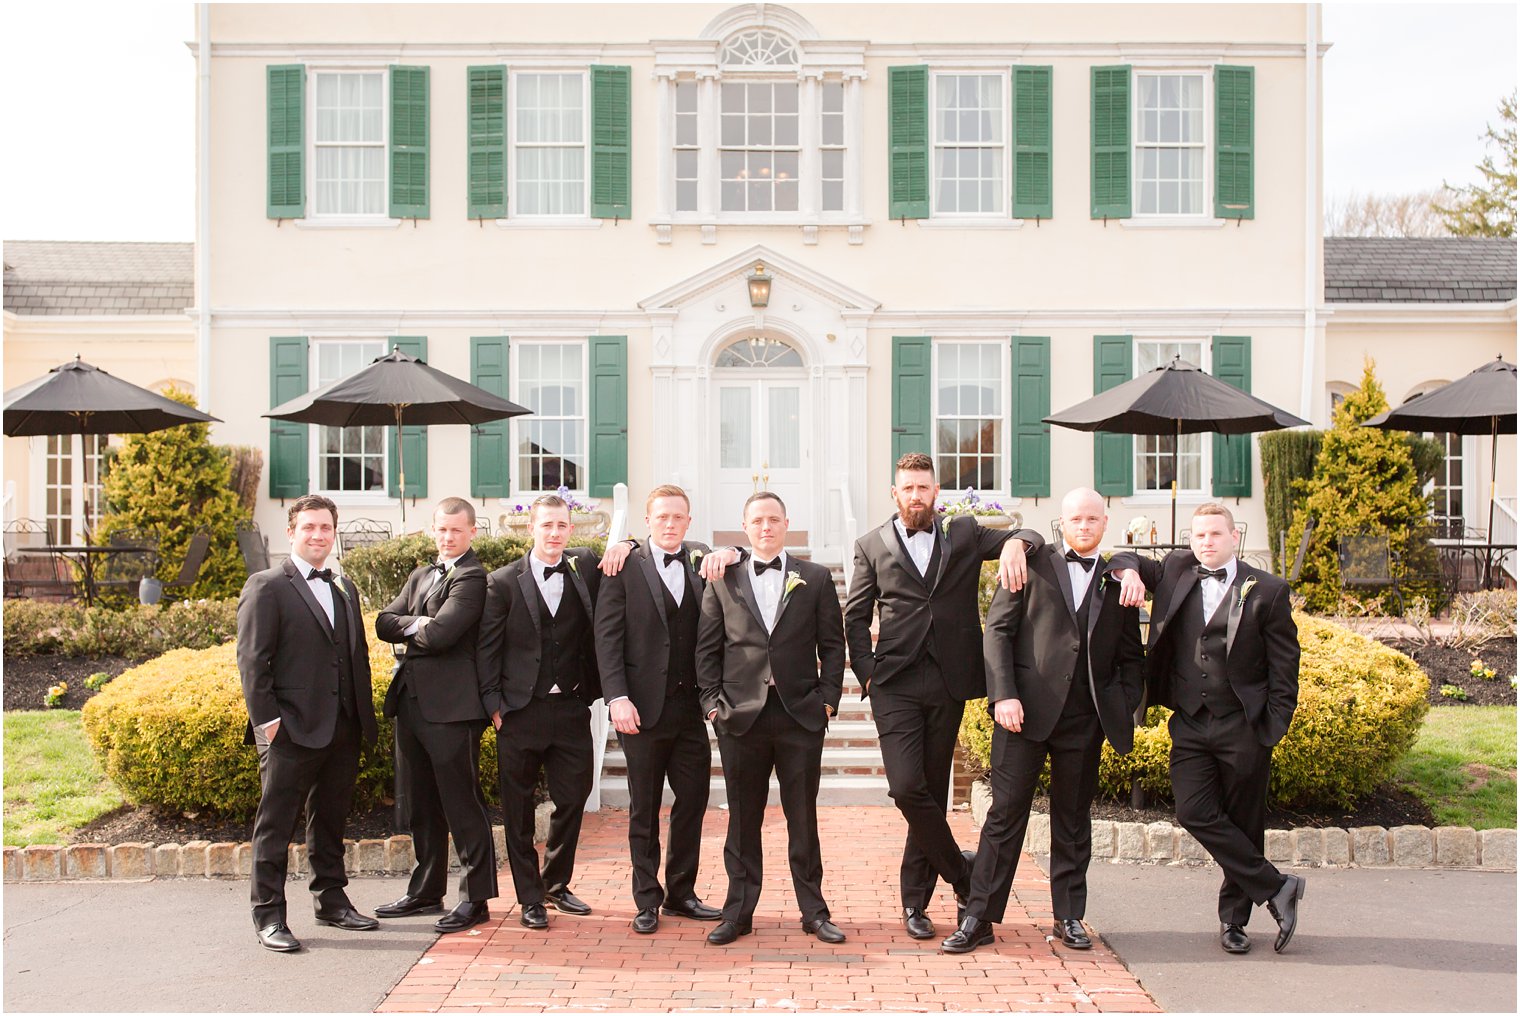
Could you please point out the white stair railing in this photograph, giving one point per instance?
(1506, 526)
(616, 532)
(850, 528)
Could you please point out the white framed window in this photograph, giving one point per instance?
(688, 150)
(549, 378)
(831, 146)
(350, 460)
(759, 150)
(970, 137)
(1153, 452)
(1450, 484)
(549, 127)
(71, 483)
(1171, 144)
(970, 384)
(348, 166)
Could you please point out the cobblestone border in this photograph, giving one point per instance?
(202, 859)
(1364, 847)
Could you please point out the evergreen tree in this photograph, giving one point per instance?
(1488, 209)
(170, 484)
(1365, 481)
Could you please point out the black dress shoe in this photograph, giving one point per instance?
(692, 908)
(346, 918)
(647, 921)
(567, 902)
(408, 906)
(534, 916)
(968, 936)
(468, 914)
(728, 932)
(1233, 939)
(1284, 907)
(278, 938)
(1072, 934)
(825, 930)
(917, 922)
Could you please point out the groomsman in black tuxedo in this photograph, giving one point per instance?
(646, 643)
(770, 666)
(538, 676)
(434, 625)
(304, 665)
(1224, 655)
(920, 574)
(1064, 669)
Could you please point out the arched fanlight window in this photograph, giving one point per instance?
(759, 48)
(758, 352)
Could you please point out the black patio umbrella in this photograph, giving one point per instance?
(1176, 398)
(397, 390)
(79, 398)
(1483, 402)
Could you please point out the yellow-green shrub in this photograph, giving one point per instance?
(1360, 706)
(169, 733)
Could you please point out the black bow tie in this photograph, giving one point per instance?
(441, 568)
(1086, 562)
(325, 574)
(563, 568)
(1211, 573)
(671, 557)
(761, 567)
(922, 529)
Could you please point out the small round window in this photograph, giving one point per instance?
(756, 351)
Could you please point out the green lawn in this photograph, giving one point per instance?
(53, 784)
(1463, 766)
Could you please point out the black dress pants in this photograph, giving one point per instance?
(775, 742)
(552, 734)
(320, 779)
(441, 794)
(1074, 746)
(675, 748)
(917, 723)
(1220, 772)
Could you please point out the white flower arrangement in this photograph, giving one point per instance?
(793, 580)
(1139, 527)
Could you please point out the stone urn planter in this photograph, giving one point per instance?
(1011, 520)
(583, 525)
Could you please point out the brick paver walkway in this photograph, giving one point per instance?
(597, 963)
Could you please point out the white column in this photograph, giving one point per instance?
(707, 142)
(854, 133)
(809, 136)
(664, 130)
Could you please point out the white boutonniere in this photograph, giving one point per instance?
(573, 568)
(793, 580)
(1245, 589)
(944, 526)
(696, 558)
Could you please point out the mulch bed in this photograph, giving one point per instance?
(1453, 666)
(27, 678)
(150, 825)
(1387, 806)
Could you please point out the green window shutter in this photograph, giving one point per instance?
(289, 442)
(908, 138)
(1031, 143)
(1113, 454)
(1232, 452)
(911, 390)
(487, 156)
(286, 116)
(1031, 404)
(409, 142)
(609, 413)
(1111, 156)
(1234, 142)
(611, 156)
(413, 439)
(490, 448)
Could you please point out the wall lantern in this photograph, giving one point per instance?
(759, 287)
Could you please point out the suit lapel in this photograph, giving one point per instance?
(1095, 600)
(581, 589)
(941, 537)
(790, 578)
(739, 585)
(1237, 604)
(303, 589)
(894, 545)
(653, 579)
(530, 593)
(348, 601)
(1184, 585)
(1057, 562)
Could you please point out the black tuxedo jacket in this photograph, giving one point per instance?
(803, 654)
(1261, 646)
(288, 659)
(886, 580)
(511, 631)
(1032, 644)
(439, 665)
(633, 631)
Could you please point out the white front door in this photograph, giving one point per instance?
(760, 426)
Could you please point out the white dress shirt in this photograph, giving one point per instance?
(672, 574)
(552, 588)
(323, 591)
(768, 589)
(432, 580)
(1212, 591)
(920, 545)
(1081, 577)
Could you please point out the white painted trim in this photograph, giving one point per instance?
(1005, 381)
(582, 218)
(1203, 219)
(774, 17)
(126, 328)
(550, 222)
(976, 225)
(203, 197)
(1313, 246)
(973, 220)
(1173, 222)
(347, 221)
(778, 266)
(514, 425)
(1419, 313)
(311, 217)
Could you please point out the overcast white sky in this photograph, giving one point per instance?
(100, 109)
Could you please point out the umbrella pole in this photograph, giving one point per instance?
(1176, 448)
(1493, 477)
(401, 468)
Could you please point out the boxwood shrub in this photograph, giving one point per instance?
(138, 632)
(380, 569)
(1360, 706)
(169, 733)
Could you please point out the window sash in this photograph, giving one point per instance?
(550, 175)
(1171, 132)
(60, 513)
(759, 147)
(349, 139)
(562, 366)
(349, 460)
(969, 173)
(1153, 452)
(979, 368)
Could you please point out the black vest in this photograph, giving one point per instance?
(565, 636)
(681, 667)
(346, 696)
(927, 650)
(1198, 656)
(1079, 696)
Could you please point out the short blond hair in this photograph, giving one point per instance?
(1215, 508)
(666, 490)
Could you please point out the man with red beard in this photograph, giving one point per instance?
(919, 572)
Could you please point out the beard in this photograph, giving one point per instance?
(921, 517)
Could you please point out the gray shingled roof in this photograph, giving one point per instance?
(1455, 269)
(44, 277)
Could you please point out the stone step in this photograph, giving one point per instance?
(833, 790)
(844, 732)
(836, 761)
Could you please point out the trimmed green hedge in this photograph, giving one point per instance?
(380, 570)
(169, 733)
(1360, 706)
(138, 632)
